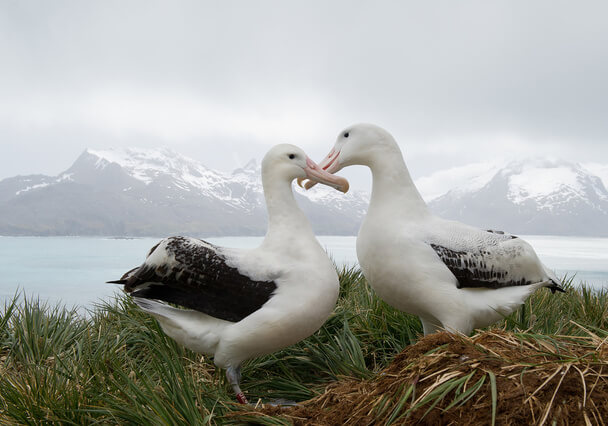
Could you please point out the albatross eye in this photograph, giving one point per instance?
(292, 156)
(346, 134)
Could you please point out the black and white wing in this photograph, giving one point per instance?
(196, 275)
(490, 259)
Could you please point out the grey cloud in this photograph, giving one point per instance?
(438, 75)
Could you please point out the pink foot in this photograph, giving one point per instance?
(241, 398)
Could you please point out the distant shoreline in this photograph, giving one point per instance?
(74, 269)
(136, 237)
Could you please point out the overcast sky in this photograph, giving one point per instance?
(222, 81)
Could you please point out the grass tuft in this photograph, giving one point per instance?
(115, 365)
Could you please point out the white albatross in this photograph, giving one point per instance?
(241, 304)
(451, 275)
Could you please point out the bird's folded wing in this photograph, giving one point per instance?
(194, 274)
(489, 260)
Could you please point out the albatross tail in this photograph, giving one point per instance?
(553, 281)
(195, 330)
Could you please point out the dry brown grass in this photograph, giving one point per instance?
(492, 377)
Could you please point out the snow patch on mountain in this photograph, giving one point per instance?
(46, 182)
(544, 182)
(545, 196)
(599, 170)
(147, 165)
(470, 177)
(250, 176)
(355, 201)
(183, 173)
(552, 184)
(536, 182)
(29, 188)
(242, 188)
(133, 191)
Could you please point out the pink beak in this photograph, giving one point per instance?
(329, 165)
(317, 174)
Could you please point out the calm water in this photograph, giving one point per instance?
(73, 270)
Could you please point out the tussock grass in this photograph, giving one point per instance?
(116, 365)
(492, 377)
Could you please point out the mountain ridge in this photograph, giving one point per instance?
(535, 196)
(145, 192)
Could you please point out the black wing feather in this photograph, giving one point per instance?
(201, 280)
(471, 269)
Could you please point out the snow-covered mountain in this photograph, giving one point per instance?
(535, 196)
(158, 192)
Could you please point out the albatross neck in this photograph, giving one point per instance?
(393, 189)
(285, 219)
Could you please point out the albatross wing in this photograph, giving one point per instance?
(490, 259)
(195, 274)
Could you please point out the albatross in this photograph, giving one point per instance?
(453, 276)
(238, 304)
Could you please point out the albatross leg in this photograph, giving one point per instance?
(234, 378)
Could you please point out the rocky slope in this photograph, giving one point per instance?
(537, 196)
(158, 192)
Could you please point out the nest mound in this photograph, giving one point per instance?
(492, 377)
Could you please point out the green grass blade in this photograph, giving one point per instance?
(400, 405)
(494, 396)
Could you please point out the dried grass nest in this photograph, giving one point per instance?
(493, 377)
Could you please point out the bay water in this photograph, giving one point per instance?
(73, 270)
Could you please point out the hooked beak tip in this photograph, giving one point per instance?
(309, 184)
(324, 173)
(345, 187)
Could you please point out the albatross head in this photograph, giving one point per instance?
(357, 144)
(289, 162)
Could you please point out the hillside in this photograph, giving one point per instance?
(536, 196)
(158, 192)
